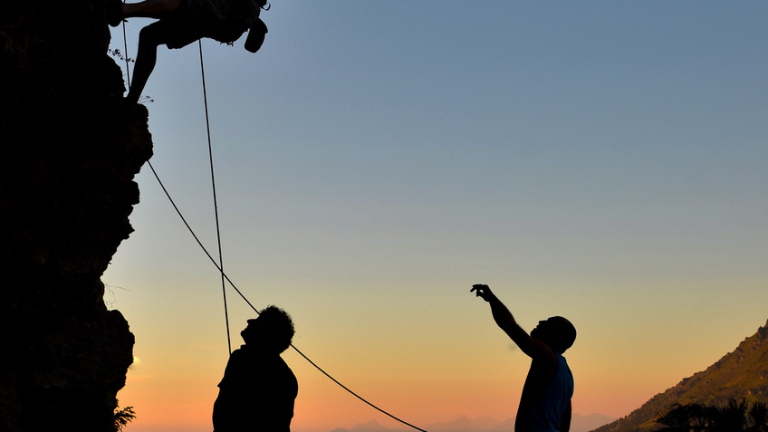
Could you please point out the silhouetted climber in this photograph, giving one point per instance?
(545, 405)
(182, 22)
(258, 389)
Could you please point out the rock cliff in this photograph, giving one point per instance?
(70, 150)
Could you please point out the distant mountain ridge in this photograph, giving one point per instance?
(740, 374)
(579, 423)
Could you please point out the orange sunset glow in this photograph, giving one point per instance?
(374, 160)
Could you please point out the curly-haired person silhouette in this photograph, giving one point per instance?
(545, 405)
(258, 390)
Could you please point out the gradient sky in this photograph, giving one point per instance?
(604, 161)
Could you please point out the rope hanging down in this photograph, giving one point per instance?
(215, 202)
(213, 177)
(220, 266)
(237, 290)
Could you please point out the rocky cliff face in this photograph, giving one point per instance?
(70, 151)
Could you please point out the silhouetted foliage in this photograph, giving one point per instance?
(123, 417)
(683, 418)
(119, 54)
(731, 417)
(758, 416)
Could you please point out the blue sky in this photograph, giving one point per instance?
(603, 160)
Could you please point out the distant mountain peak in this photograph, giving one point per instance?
(371, 426)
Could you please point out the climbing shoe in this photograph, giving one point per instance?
(256, 35)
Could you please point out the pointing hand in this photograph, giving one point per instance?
(482, 291)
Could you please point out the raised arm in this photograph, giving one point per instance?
(535, 349)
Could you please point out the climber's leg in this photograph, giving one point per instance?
(175, 32)
(151, 8)
(150, 38)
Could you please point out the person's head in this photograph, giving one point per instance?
(272, 330)
(557, 332)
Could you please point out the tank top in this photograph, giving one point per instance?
(543, 404)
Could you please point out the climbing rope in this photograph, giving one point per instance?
(127, 69)
(215, 202)
(219, 266)
(237, 290)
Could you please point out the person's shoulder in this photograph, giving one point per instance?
(239, 351)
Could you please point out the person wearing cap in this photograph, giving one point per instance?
(182, 22)
(545, 405)
(258, 390)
